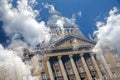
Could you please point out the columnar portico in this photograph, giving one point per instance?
(86, 67)
(71, 58)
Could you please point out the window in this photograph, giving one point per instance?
(94, 78)
(70, 71)
(68, 31)
(43, 76)
(40, 64)
(83, 79)
(81, 69)
(91, 68)
(70, 41)
(56, 63)
(67, 62)
(71, 30)
(104, 77)
(58, 73)
(114, 74)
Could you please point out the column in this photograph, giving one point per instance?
(106, 65)
(62, 68)
(96, 67)
(50, 70)
(85, 67)
(74, 68)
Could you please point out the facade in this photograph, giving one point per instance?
(69, 56)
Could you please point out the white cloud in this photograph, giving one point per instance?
(11, 66)
(109, 31)
(21, 20)
(73, 19)
(56, 17)
(51, 8)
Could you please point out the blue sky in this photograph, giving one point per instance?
(92, 11)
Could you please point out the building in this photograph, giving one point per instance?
(69, 56)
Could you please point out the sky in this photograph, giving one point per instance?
(85, 14)
(91, 11)
(25, 23)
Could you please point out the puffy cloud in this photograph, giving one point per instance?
(75, 15)
(22, 20)
(56, 19)
(110, 30)
(51, 8)
(12, 67)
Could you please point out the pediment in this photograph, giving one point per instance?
(69, 41)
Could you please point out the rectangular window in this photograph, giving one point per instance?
(104, 77)
(94, 78)
(40, 64)
(43, 76)
(114, 74)
(81, 69)
(91, 68)
(56, 63)
(58, 73)
(69, 71)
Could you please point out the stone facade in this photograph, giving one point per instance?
(69, 56)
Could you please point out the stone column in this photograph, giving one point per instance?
(106, 65)
(62, 68)
(85, 67)
(96, 67)
(50, 70)
(74, 68)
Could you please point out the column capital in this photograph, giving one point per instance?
(81, 55)
(91, 54)
(59, 57)
(70, 56)
(47, 58)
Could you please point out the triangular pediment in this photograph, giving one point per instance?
(71, 40)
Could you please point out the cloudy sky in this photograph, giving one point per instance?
(26, 23)
(31, 18)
